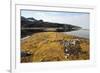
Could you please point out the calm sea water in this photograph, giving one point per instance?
(80, 33)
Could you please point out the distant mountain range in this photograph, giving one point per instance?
(32, 25)
(32, 22)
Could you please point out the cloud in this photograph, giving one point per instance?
(73, 18)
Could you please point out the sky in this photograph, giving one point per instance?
(73, 18)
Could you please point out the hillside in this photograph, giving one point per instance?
(32, 25)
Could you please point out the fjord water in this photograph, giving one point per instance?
(84, 33)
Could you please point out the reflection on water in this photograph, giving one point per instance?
(81, 33)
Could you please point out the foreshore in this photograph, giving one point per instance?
(49, 46)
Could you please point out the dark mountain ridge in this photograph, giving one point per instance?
(31, 25)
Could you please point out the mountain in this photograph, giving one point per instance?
(32, 22)
(27, 22)
(32, 25)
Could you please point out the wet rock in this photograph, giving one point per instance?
(25, 54)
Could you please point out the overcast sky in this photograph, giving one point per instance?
(73, 18)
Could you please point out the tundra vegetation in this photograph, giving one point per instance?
(54, 46)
